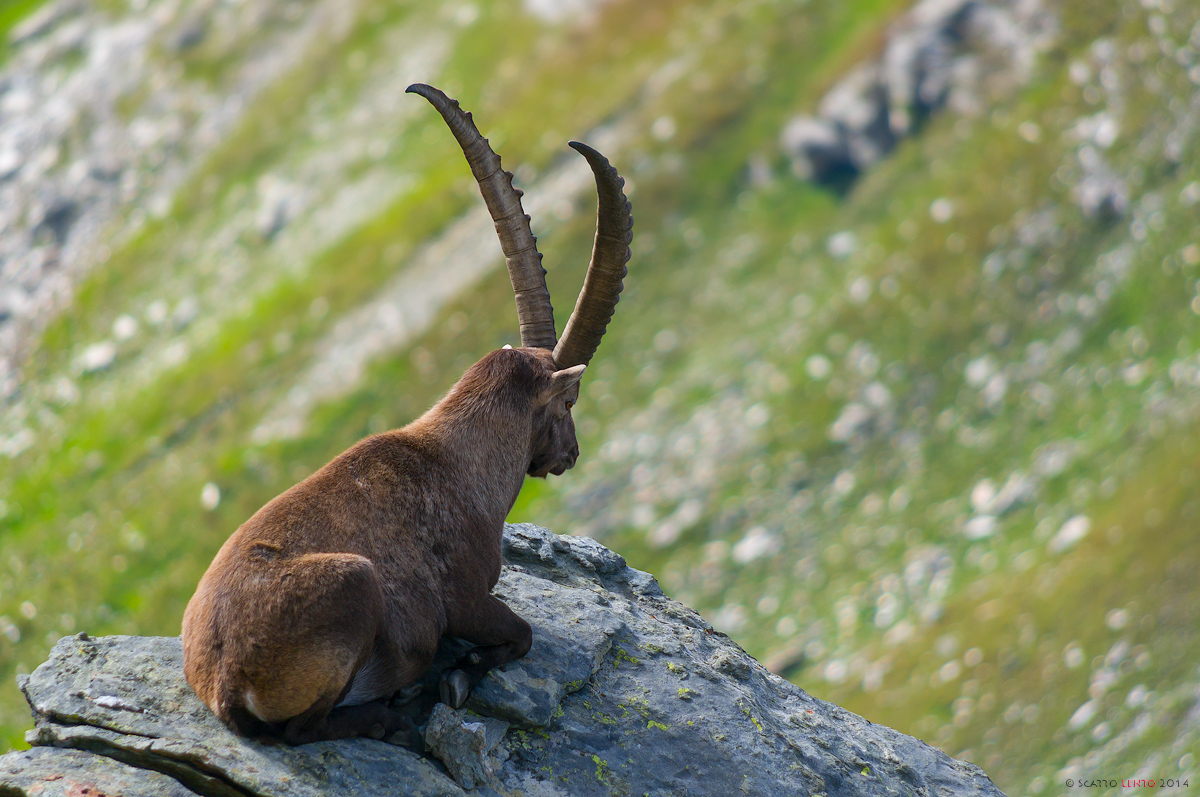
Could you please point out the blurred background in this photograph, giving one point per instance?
(903, 392)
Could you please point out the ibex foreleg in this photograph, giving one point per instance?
(500, 636)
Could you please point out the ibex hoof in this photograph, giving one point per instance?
(454, 688)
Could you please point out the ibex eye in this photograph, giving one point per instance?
(570, 404)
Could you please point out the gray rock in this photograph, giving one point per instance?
(190, 34)
(918, 62)
(624, 691)
(932, 55)
(816, 147)
(125, 697)
(1100, 192)
(563, 657)
(858, 105)
(58, 217)
(462, 740)
(47, 772)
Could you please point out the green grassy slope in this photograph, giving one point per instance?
(1018, 342)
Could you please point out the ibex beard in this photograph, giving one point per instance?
(332, 598)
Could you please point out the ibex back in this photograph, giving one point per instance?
(332, 598)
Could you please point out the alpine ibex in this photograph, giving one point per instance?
(332, 597)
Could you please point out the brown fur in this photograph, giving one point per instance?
(334, 595)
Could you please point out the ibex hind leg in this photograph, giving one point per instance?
(318, 630)
(500, 635)
(373, 720)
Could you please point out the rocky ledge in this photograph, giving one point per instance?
(624, 692)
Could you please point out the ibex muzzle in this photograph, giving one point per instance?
(333, 596)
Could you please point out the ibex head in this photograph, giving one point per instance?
(559, 362)
(553, 448)
(524, 383)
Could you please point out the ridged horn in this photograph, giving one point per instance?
(610, 254)
(534, 312)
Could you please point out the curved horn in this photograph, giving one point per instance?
(602, 285)
(534, 312)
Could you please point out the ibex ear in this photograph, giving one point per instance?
(561, 381)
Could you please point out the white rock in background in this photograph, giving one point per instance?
(841, 245)
(1100, 192)
(979, 370)
(555, 11)
(757, 543)
(1082, 716)
(980, 527)
(982, 495)
(1071, 533)
(10, 162)
(98, 356)
(124, 327)
(853, 419)
(1017, 490)
(210, 496)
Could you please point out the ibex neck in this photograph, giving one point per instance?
(486, 446)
